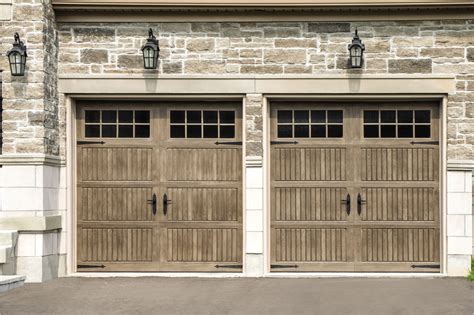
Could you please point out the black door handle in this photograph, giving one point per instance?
(166, 202)
(153, 203)
(360, 202)
(347, 202)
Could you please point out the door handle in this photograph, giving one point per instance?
(153, 203)
(347, 202)
(360, 202)
(166, 202)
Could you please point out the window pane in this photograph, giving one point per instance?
(125, 116)
(194, 131)
(227, 132)
(109, 116)
(92, 116)
(318, 131)
(388, 116)
(125, 131)
(318, 116)
(301, 116)
(285, 131)
(142, 117)
(109, 131)
(285, 117)
(210, 117)
(227, 117)
(334, 116)
(388, 131)
(422, 132)
(335, 131)
(194, 116)
(211, 131)
(371, 116)
(92, 131)
(301, 131)
(177, 132)
(422, 116)
(405, 131)
(142, 131)
(371, 131)
(405, 116)
(177, 116)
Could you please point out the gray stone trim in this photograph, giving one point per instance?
(460, 165)
(32, 160)
(39, 224)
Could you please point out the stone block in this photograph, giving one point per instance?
(94, 34)
(130, 61)
(94, 56)
(282, 32)
(459, 245)
(442, 52)
(254, 199)
(455, 38)
(459, 203)
(470, 54)
(456, 225)
(200, 44)
(410, 65)
(295, 43)
(323, 27)
(285, 56)
(172, 67)
(458, 265)
(254, 265)
(254, 243)
(261, 69)
(204, 66)
(254, 221)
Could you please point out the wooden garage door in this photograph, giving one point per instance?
(159, 187)
(355, 187)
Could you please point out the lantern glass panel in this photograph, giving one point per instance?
(356, 56)
(149, 57)
(17, 63)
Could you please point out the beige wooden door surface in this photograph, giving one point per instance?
(127, 158)
(321, 154)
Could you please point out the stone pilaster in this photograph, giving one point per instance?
(254, 218)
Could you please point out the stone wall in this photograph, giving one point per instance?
(428, 47)
(30, 103)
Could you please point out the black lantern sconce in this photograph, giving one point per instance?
(17, 57)
(151, 51)
(356, 51)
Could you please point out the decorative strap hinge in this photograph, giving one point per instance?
(229, 266)
(284, 266)
(426, 266)
(424, 142)
(90, 266)
(228, 143)
(283, 142)
(90, 142)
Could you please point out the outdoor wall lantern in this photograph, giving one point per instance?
(17, 57)
(356, 50)
(151, 51)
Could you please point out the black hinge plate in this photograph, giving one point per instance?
(90, 266)
(284, 266)
(90, 142)
(229, 266)
(425, 142)
(426, 266)
(228, 143)
(283, 142)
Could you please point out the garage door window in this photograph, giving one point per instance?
(202, 124)
(310, 123)
(117, 124)
(397, 124)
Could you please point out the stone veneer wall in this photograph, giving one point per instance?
(30, 103)
(424, 47)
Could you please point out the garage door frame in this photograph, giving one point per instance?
(73, 104)
(442, 103)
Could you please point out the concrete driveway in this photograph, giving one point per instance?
(241, 296)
